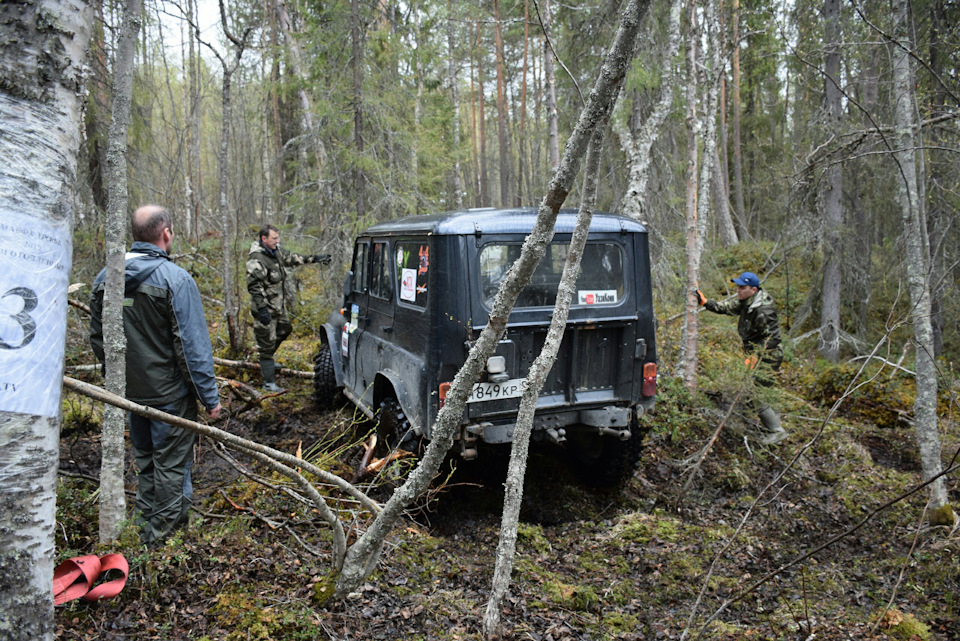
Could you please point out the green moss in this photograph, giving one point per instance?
(943, 516)
(619, 623)
(531, 537)
(574, 597)
(904, 626)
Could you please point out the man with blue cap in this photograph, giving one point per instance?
(760, 333)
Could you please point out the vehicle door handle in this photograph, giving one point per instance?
(386, 328)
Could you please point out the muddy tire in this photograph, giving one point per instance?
(325, 392)
(606, 461)
(394, 430)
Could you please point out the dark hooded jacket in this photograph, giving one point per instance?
(168, 345)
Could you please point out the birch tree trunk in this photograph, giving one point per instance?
(225, 214)
(687, 361)
(917, 260)
(363, 554)
(738, 200)
(637, 145)
(41, 64)
(356, 39)
(710, 63)
(484, 177)
(833, 189)
(550, 87)
(113, 504)
(503, 114)
(456, 179)
(536, 377)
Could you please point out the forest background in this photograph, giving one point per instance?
(342, 115)
(773, 131)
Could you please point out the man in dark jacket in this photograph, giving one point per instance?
(169, 363)
(760, 333)
(272, 297)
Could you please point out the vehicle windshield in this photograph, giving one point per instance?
(600, 281)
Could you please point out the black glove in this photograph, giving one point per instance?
(701, 299)
(263, 315)
(323, 259)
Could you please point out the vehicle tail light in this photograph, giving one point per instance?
(442, 393)
(649, 387)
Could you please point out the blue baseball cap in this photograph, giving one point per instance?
(748, 279)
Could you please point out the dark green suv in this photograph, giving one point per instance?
(420, 290)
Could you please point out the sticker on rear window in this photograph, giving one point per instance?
(597, 297)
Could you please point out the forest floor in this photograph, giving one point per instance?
(647, 562)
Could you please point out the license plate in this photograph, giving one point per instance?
(497, 391)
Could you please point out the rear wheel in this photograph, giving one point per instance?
(325, 390)
(606, 461)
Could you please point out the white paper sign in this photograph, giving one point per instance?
(408, 285)
(34, 275)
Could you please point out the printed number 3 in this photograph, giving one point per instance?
(27, 323)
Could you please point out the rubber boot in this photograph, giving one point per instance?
(773, 431)
(267, 372)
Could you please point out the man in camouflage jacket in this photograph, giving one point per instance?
(272, 296)
(760, 332)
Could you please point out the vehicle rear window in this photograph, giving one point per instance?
(600, 281)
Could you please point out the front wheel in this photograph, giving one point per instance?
(394, 431)
(603, 460)
(325, 390)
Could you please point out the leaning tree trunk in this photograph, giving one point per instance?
(41, 62)
(113, 504)
(364, 553)
(917, 261)
(537, 376)
(833, 189)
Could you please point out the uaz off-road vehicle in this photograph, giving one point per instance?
(421, 288)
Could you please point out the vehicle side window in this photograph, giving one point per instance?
(413, 264)
(361, 268)
(380, 272)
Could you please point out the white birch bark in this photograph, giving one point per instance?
(687, 359)
(712, 75)
(364, 553)
(917, 259)
(457, 186)
(550, 87)
(637, 145)
(223, 206)
(45, 43)
(113, 504)
(537, 376)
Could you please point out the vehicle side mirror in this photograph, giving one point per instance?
(348, 283)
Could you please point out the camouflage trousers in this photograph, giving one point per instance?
(164, 455)
(270, 336)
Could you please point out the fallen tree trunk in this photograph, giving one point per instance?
(247, 365)
(281, 462)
